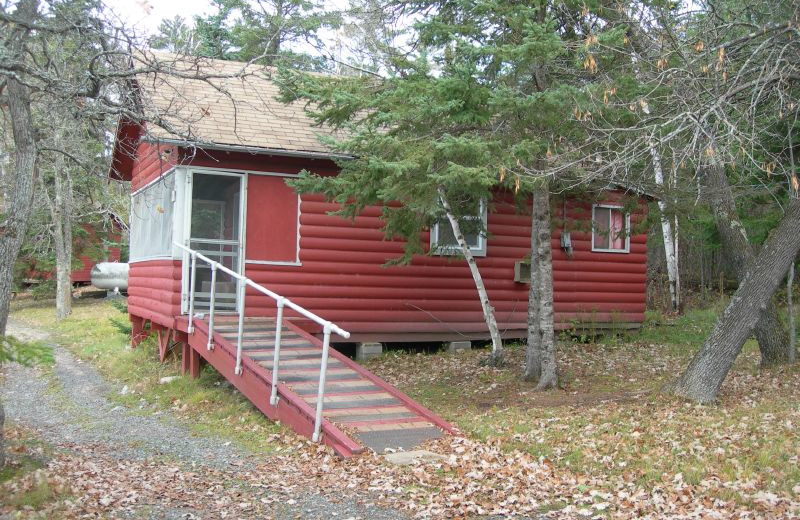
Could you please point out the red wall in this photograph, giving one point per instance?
(272, 224)
(154, 290)
(150, 162)
(342, 277)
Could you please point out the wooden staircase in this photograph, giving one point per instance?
(360, 410)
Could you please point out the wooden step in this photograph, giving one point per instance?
(375, 414)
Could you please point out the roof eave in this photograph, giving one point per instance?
(256, 150)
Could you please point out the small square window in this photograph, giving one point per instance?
(610, 229)
(443, 241)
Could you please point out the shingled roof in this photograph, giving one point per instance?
(217, 102)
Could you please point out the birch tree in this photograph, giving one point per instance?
(721, 95)
(481, 101)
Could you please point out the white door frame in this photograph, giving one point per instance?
(187, 226)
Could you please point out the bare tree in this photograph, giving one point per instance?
(718, 92)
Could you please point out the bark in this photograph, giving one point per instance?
(790, 312)
(533, 360)
(541, 353)
(670, 235)
(14, 220)
(61, 210)
(704, 376)
(773, 340)
(497, 356)
(2, 436)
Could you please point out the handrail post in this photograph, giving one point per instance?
(242, 287)
(323, 369)
(273, 398)
(192, 281)
(210, 344)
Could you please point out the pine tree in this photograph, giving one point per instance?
(488, 99)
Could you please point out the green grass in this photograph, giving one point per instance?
(35, 497)
(209, 406)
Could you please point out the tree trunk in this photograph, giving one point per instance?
(17, 212)
(670, 242)
(790, 311)
(18, 207)
(704, 376)
(61, 212)
(2, 435)
(541, 353)
(496, 358)
(770, 332)
(533, 360)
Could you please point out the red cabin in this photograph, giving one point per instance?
(224, 193)
(219, 188)
(90, 247)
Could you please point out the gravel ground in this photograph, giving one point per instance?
(68, 407)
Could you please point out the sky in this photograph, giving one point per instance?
(146, 15)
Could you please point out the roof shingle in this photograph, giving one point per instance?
(231, 103)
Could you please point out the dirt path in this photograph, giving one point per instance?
(67, 406)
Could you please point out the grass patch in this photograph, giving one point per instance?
(24, 454)
(23, 481)
(208, 405)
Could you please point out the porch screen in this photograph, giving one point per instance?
(151, 221)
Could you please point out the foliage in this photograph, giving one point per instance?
(44, 290)
(122, 325)
(270, 32)
(175, 36)
(483, 102)
(14, 351)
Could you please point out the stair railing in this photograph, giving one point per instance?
(280, 302)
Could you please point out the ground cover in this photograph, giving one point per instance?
(606, 444)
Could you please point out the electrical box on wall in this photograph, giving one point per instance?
(566, 243)
(522, 271)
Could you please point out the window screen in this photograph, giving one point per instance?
(151, 220)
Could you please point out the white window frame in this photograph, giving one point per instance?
(627, 248)
(479, 250)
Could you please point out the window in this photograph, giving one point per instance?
(151, 220)
(443, 241)
(610, 226)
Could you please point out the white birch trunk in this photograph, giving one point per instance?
(496, 358)
(670, 244)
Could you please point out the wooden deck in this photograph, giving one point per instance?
(360, 410)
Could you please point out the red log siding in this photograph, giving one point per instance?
(150, 162)
(343, 279)
(154, 290)
(342, 276)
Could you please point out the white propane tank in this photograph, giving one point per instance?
(110, 276)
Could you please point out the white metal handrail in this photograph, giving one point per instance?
(281, 302)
